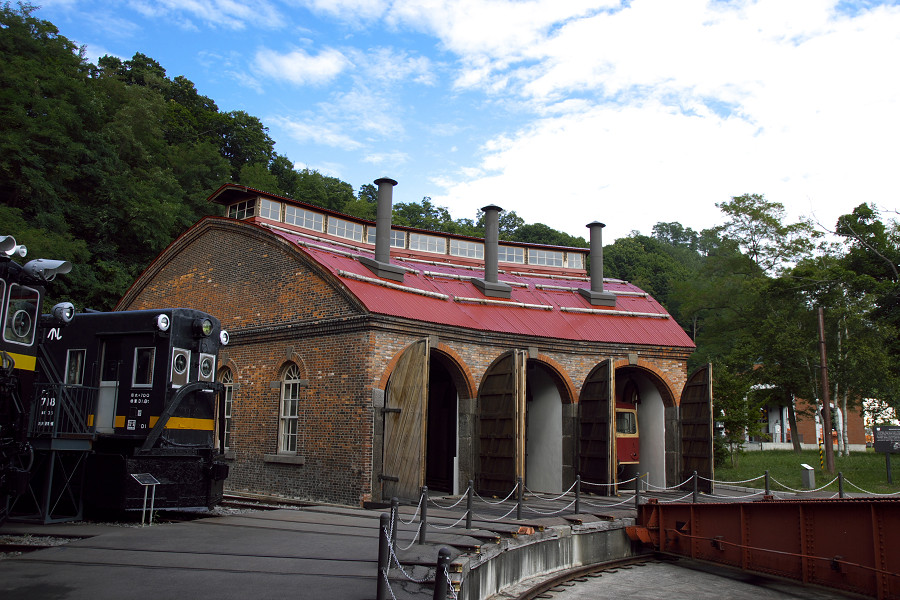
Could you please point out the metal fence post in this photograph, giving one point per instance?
(520, 488)
(695, 487)
(469, 494)
(577, 494)
(637, 494)
(440, 575)
(395, 510)
(384, 557)
(423, 522)
(840, 484)
(768, 492)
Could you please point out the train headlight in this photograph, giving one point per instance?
(224, 337)
(180, 363)
(203, 326)
(163, 322)
(63, 312)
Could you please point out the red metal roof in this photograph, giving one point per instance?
(540, 305)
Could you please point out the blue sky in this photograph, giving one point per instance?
(565, 111)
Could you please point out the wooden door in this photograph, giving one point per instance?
(697, 428)
(596, 428)
(501, 425)
(405, 417)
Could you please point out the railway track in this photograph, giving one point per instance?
(561, 582)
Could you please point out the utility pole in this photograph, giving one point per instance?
(826, 400)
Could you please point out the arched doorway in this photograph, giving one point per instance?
(441, 437)
(420, 423)
(635, 388)
(524, 410)
(543, 431)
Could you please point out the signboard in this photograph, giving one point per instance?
(148, 479)
(887, 438)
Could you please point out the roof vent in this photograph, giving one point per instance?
(490, 286)
(596, 296)
(381, 265)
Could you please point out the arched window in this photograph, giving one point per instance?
(288, 431)
(227, 379)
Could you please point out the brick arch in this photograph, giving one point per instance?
(463, 374)
(285, 365)
(294, 357)
(657, 377)
(569, 396)
(231, 366)
(392, 364)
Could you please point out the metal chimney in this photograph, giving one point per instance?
(491, 286)
(596, 296)
(381, 266)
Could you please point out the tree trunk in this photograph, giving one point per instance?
(792, 422)
(844, 429)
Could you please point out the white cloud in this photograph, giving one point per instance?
(386, 158)
(231, 14)
(316, 132)
(355, 11)
(299, 67)
(660, 110)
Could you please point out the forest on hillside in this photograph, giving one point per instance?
(104, 165)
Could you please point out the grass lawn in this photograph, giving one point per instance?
(864, 469)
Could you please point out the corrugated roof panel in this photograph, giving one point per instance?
(406, 300)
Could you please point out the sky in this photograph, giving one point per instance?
(564, 111)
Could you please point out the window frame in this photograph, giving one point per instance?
(242, 210)
(349, 230)
(289, 411)
(418, 240)
(134, 367)
(33, 312)
(543, 258)
(503, 254)
(266, 207)
(82, 352)
(466, 249)
(301, 217)
(226, 378)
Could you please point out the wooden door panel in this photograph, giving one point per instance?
(500, 425)
(405, 416)
(697, 428)
(596, 427)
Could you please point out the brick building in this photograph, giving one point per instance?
(776, 427)
(367, 360)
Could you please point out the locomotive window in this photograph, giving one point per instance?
(143, 367)
(75, 367)
(626, 422)
(21, 315)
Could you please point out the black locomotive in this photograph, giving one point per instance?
(98, 405)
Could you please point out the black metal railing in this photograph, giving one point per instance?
(61, 410)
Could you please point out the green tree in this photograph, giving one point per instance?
(756, 224)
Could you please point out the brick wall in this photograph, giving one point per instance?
(806, 423)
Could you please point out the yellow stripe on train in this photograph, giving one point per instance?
(23, 361)
(173, 423)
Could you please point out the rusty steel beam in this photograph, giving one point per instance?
(849, 544)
